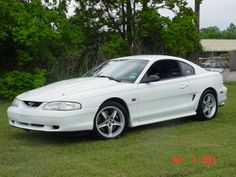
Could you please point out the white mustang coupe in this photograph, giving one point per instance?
(120, 93)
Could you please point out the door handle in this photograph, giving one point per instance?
(183, 86)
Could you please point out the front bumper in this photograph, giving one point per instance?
(51, 121)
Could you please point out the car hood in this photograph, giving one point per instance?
(63, 90)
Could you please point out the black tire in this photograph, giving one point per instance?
(110, 121)
(207, 106)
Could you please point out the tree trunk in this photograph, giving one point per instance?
(123, 19)
(145, 4)
(129, 22)
(197, 13)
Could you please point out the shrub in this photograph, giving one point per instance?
(17, 82)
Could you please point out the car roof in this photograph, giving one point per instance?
(154, 58)
(148, 57)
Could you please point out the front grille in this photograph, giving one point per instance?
(30, 125)
(34, 126)
(32, 104)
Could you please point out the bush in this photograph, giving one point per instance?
(17, 82)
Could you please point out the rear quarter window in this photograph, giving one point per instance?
(187, 70)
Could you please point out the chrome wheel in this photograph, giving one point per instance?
(209, 105)
(110, 122)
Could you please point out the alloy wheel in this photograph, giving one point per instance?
(209, 105)
(110, 122)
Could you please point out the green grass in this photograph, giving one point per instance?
(144, 151)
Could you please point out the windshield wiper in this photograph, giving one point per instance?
(111, 78)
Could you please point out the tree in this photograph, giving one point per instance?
(138, 22)
(38, 39)
(36, 42)
(181, 37)
(151, 29)
(215, 33)
(197, 13)
(211, 33)
(230, 32)
(31, 35)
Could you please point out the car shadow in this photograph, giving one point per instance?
(46, 138)
(52, 138)
(166, 124)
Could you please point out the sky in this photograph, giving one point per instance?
(216, 13)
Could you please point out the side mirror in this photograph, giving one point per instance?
(151, 78)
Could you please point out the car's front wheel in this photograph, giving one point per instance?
(110, 120)
(207, 107)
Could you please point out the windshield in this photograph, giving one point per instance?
(119, 70)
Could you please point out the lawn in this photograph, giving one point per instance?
(177, 148)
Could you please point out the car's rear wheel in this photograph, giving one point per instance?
(207, 107)
(110, 120)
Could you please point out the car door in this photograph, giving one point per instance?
(164, 99)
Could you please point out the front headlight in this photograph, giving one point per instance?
(15, 102)
(62, 106)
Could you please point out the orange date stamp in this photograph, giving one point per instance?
(204, 160)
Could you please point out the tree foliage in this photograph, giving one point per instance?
(215, 33)
(34, 36)
(138, 23)
(40, 34)
(181, 36)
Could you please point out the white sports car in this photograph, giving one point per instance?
(120, 93)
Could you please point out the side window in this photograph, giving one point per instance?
(165, 69)
(187, 70)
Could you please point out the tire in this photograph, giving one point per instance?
(110, 121)
(208, 105)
